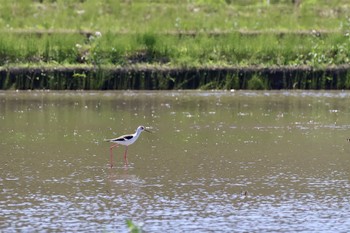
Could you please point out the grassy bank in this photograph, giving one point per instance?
(195, 35)
(170, 15)
(232, 49)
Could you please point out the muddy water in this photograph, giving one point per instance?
(216, 161)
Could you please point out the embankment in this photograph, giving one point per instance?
(165, 78)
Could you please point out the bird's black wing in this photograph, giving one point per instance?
(124, 138)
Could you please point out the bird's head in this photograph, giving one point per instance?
(143, 128)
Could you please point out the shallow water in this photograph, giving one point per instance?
(239, 161)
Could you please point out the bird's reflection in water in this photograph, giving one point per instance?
(122, 179)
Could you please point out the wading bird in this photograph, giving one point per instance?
(125, 140)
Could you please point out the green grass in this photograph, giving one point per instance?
(164, 16)
(174, 34)
(227, 33)
(231, 49)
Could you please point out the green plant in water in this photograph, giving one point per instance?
(79, 75)
(347, 81)
(256, 83)
(231, 82)
(133, 228)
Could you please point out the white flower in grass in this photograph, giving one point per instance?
(98, 34)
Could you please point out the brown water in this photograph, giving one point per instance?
(217, 161)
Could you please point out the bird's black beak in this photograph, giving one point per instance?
(147, 130)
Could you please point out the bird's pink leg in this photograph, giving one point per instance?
(111, 154)
(126, 151)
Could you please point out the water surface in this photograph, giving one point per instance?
(217, 161)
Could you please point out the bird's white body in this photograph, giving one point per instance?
(125, 140)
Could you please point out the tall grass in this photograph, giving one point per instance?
(231, 49)
(30, 48)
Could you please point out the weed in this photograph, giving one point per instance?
(133, 228)
(256, 83)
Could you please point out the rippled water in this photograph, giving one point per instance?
(216, 162)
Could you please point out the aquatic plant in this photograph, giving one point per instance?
(256, 83)
(133, 228)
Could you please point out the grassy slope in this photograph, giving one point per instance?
(241, 34)
(164, 16)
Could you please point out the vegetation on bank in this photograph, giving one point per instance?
(233, 49)
(170, 16)
(194, 35)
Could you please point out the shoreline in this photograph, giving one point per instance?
(160, 77)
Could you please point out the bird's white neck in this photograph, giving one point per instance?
(137, 134)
